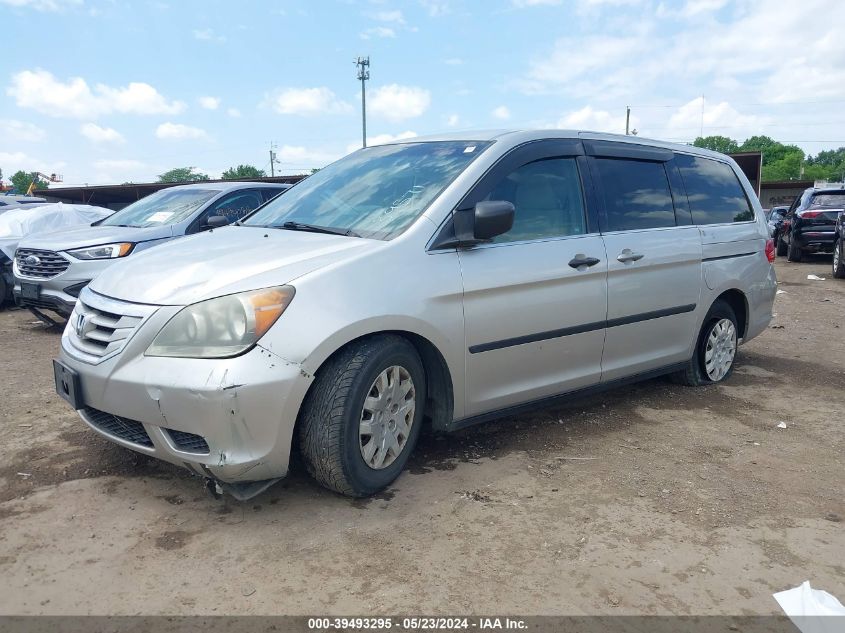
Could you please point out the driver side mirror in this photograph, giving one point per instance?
(492, 218)
(216, 221)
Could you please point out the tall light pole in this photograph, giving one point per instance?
(363, 64)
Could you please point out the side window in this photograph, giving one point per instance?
(547, 199)
(714, 193)
(636, 194)
(269, 193)
(236, 205)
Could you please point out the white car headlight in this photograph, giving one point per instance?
(221, 327)
(104, 251)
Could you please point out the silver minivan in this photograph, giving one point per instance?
(436, 282)
(51, 269)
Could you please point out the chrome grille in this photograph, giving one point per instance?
(38, 264)
(99, 327)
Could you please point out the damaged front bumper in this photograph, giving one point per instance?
(227, 419)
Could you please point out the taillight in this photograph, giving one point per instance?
(809, 214)
(770, 251)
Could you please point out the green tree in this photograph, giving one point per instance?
(182, 174)
(717, 143)
(22, 180)
(786, 168)
(243, 171)
(773, 150)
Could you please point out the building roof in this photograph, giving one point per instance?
(106, 195)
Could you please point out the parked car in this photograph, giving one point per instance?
(774, 219)
(20, 221)
(839, 247)
(444, 281)
(51, 269)
(808, 226)
(12, 201)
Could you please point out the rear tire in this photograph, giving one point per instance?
(838, 259)
(362, 417)
(715, 350)
(793, 252)
(780, 246)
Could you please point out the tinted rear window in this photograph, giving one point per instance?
(636, 194)
(829, 200)
(715, 195)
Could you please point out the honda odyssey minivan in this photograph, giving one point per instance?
(436, 282)
(52, 268)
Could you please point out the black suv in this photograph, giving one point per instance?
(810, 222)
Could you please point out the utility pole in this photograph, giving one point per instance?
(273, 160)
(363, 64)
(627, 120)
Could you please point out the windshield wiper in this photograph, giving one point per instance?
(313, 228)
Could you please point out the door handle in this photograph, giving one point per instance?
(627, 255)
(582, 260)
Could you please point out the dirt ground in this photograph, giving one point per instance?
(652, 499)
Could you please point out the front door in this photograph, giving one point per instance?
(535, 299)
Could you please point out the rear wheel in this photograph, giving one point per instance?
(793, 252)
(780, 245)
(362, 416)
(838, 260)
(715, 350)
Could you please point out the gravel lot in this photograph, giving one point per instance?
(652, 499)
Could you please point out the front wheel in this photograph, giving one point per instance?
(793, 252)
(362, 416)
(838, 260)
(715, 350)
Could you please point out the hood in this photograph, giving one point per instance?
(82, 236)
(223, 261)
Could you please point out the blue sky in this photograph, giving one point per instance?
(109, 90)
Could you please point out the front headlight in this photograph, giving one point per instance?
(104, 251)
(221, 327)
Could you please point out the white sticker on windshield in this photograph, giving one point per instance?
(160, 216)
(469, 150)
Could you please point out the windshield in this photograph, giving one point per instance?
(828, 200)
(167, 206)
(376, 192)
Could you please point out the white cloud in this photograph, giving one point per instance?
(122, 170)
(208, 35)
(39, 90)
(502, 113)
(453, 61)
(587, 118)
(234, 113)
(715, 118)
(436, 8)
(42, 5)
(394, 17)
(209, 103)
(395, 102)
(13, 161)
(453, 120)
(297, 157)
(20, 131)
(377, 31)
(178, 131)
(307, 101)
(97, 134)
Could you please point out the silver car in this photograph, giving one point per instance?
(437, 282)
(51, 269)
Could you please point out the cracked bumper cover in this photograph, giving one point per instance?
(244, 407)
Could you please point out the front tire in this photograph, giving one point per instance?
(793, 252)
(362, 417)
(838, 260)
(715, 350)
